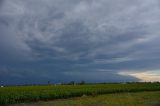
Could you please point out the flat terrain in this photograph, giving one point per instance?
(117, 99)
(27, 94)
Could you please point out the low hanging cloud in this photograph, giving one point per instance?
(71, 40)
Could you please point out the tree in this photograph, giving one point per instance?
(82, 82)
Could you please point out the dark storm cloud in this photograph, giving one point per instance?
(1, 1)
(75, 40)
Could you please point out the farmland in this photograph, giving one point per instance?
(20, 94)
(151, 98)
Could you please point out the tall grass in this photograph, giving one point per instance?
(11, 95)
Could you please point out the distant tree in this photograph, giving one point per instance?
(82, 82)
(71, 83)
(48, 82)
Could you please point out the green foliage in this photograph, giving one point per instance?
(116, 99)
(11, 95)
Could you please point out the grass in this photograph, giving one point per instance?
(20, 94)
(117, 99)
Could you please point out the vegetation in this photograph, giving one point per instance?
(11, 95)
(117, 99)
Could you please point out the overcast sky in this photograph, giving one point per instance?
(74, 40)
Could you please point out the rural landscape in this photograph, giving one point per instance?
(79, 52)
(132, 94)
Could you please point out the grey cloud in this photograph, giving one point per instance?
(79, 35)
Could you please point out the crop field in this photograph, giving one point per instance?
(151, 98)
(20, 94)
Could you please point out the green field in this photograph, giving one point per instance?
(118, 99)
(19, 94)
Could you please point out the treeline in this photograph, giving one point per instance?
(82, 83)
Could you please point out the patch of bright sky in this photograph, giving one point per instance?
(144, 76)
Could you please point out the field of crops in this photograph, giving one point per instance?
(146, 98)
(11, 95)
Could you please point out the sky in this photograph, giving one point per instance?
(74, 40)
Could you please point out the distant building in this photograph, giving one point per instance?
(2, 86)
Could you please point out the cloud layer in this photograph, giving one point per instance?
(91, 40)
